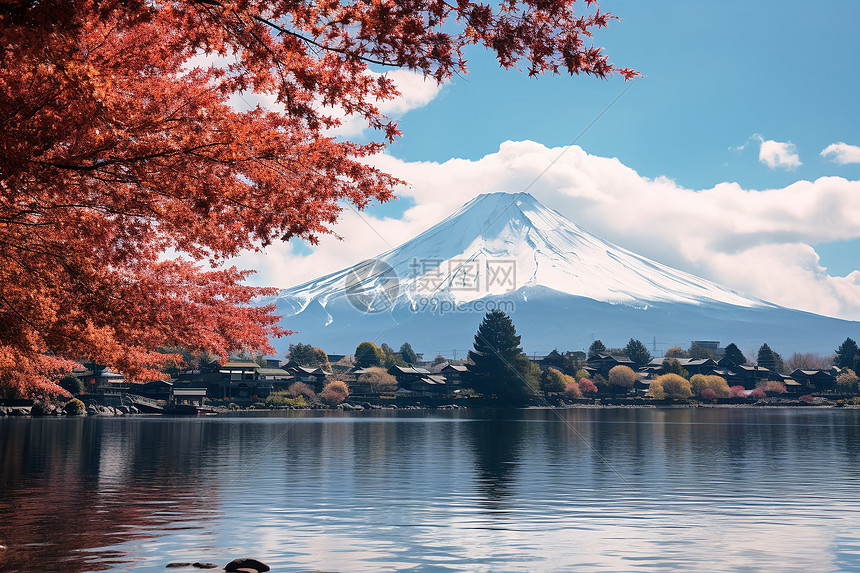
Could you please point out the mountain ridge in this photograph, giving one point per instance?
(433, 289)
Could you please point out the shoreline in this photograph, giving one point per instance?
(18, 411)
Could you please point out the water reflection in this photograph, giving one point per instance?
(583, 489)
(496, 444)
(70, 486)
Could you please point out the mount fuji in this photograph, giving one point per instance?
(562, 286)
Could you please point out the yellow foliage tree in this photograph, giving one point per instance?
(670, 386)
(379, 379)
(718, 384)
(847, 381)
(622, 376)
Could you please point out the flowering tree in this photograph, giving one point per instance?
(758, 393)
(587, 386)
(118, 148)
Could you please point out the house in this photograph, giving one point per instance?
(455, 374)
(313, 376)
(815, 380)
(704, 366)
(363, 387)
(430, 384)
(641, 385)
(280, 378)
(155, 390)
(190, 396)
(603, 363)
(110, 386)
(419, 380)
(241, 381)
(747, 376)
(407, 374)
(792, 386)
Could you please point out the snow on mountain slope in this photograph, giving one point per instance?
(499, 242)
(562, 286)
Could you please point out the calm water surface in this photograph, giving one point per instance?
(577, 490)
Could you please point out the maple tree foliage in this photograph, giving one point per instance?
(118, 147)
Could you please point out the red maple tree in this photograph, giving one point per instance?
(115, 151)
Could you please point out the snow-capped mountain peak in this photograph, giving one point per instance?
(499, 243)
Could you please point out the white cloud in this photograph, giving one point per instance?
(779, 154)
(416, 91)
(842, 153)
(757, 241)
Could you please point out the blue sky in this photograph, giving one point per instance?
(724, 82)
(715, 74)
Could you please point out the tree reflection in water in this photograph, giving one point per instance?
(496, 444)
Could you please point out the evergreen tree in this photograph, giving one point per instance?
(409, 356)
(367, 355)
(672, 366)
(847, 354)
(389, 357)
(500, 367)
(734, 355)
(765, 357)
(72, 384)
(779, 365)
(637, 352)
(596, 348)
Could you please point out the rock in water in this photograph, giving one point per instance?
(246, 563)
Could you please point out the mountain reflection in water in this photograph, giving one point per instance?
(582, 489)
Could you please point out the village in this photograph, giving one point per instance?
(377, 377)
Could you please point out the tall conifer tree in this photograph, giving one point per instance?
(847, 354)
(500, 367)
(766, 358)
(734, 354)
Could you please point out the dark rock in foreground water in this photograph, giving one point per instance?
(196, 564)
(246, 563)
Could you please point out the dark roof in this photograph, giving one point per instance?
(753, 368)
(409, 370)
(272, 372)
(456, 367)
(240, 364)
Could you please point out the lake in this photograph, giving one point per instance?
(686, 489)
